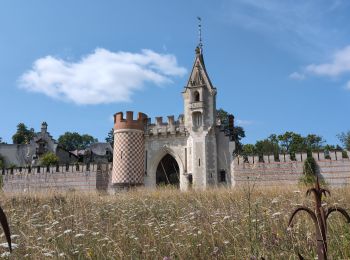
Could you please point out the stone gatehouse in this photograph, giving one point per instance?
(191, 151)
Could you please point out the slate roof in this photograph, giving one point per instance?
(100, 148)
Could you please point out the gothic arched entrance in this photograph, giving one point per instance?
(168, 172)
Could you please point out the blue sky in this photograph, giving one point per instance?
(277, 65)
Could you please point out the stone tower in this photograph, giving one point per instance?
(129, 147)
(200, 120)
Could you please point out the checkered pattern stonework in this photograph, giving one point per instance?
(128, 163)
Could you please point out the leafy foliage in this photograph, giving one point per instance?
(344, 138)
(290, 143)
(23, 134)
(2, 162)
(74, 141)
(309, 170)
(110, 137)
(48, 159)
(237, 132)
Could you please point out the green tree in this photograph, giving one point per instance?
(48, 159)
(314, 142)
(23, 134)
(75, 141)
(344, 138)
(222, 115)
(292, 142)
(236, 134)
(110, 137)
(248, 149)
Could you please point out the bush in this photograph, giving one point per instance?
(49, 159)
(309, 170)
(2, 162)
(344, 154)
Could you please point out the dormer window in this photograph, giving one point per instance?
(196, 96)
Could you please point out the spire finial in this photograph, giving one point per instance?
(200, 44)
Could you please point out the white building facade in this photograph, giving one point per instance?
(191, 152)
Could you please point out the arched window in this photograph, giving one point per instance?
(196, 96)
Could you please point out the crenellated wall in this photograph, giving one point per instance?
(170, 127)
(68, 177)
(335, 171)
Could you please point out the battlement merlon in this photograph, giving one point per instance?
(298, 157)
(164, 128)
(129, 122)
(171, 121)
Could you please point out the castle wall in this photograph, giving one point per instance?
(62, 178)
(335, 171)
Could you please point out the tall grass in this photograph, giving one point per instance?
(242, 223)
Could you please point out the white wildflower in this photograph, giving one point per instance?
(274, 201)
(67, 231)
(5, 254)
(5, 245)
(276, 214)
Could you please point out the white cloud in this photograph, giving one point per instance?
(297, 76)
(339, 64)
(303, 28)
(244, 122)
(100, 77)
(347, 86)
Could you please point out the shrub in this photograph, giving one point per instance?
(2, 162)
(344, 154)
(49, 159)
(292, 156)
(309, 170)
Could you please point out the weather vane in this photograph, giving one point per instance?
(200, 45)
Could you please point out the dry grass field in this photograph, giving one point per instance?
(244, 223)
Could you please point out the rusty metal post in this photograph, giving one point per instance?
(319, 216)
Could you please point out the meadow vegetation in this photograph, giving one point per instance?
(241, 223)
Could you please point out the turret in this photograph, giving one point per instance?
(128, 156)
(43, 127)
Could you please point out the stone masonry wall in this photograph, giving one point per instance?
(335, 171)
(83, 178)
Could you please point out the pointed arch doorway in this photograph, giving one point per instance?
(168, 172)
